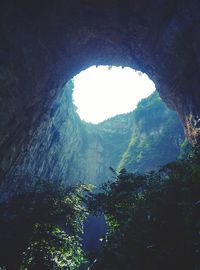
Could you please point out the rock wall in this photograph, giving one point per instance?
(44, 44)
(67, 149)
(157, 137)
(55, 144)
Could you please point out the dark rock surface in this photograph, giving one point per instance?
(64, 147)
(45, 43)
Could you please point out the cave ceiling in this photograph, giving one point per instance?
(45, 43)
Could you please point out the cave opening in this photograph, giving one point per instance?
(139, 139)
(102, 92)
(84, 150)
(42, 46)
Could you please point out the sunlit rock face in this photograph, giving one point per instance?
(66, 149)
(44, 44)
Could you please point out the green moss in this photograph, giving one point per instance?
(127, 154)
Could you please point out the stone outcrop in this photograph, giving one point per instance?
(43, 44)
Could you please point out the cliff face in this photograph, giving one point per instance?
(156, 139)
(54, 149)
(111, 139)
(65, 148)
(44, 44)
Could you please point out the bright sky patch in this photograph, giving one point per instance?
(103, 92)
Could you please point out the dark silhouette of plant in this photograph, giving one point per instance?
(153, 218)
(41, 229)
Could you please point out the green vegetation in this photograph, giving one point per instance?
(42, 228)
(156, 138)
(185, 149)
(142, 140)
(153, 218)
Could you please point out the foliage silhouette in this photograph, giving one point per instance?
(153, 218)
(41, 229)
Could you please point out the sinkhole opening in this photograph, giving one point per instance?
(102, 92)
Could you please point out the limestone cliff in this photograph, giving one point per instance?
(45, 43)
(156, 139)
(64, 147)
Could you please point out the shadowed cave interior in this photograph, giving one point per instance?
(42, 48)
(44, 44)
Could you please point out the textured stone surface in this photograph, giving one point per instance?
(65, 148)
(45, 43)
(157, 137)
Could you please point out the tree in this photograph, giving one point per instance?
(41, 229)
(153, 218)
